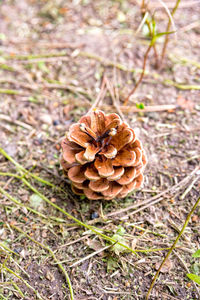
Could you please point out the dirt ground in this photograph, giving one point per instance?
(53, 55)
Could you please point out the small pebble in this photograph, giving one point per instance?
(38, 141)
(46, 118)
(94, 215)
(58, 146)
(56, 122)
(17, 250)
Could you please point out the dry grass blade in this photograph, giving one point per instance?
(89, 256)
(24, 281)
(169, 15)
(8, 249)
(142, 23)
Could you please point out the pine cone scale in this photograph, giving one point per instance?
(79, 137)
(124, 158)
(90, 152)
(91, 173)
(91, 194)
(80, 158)
(123, 138)
(99, 185)
(118, 172)
(75, 174)
(113, 190)
(109, 151)
(104, 167)
(98, 122)
(129, 175)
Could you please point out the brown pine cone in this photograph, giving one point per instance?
(102, 157)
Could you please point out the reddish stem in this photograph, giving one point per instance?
(141, 76)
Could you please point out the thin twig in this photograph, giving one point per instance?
(18, 83)
(169, 296)
(127, 109)
(172, 247)
(150, 108)
(67, 87)
(18, 289)
(72, 242)
(89, 256)
(100, 96)
(16, 122)
(7, 68)
(115, 104)
(167, 30)
(180, 86)
(34, 56)
(189, 188)
(170, 4)
(187, 270)
(8, 249)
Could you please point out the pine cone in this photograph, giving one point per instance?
(102, 157)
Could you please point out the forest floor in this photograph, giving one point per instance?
(53, 55)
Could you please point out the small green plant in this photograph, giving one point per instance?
(193, 276)
(150, 29)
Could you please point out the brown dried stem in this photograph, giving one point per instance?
(141, 76)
